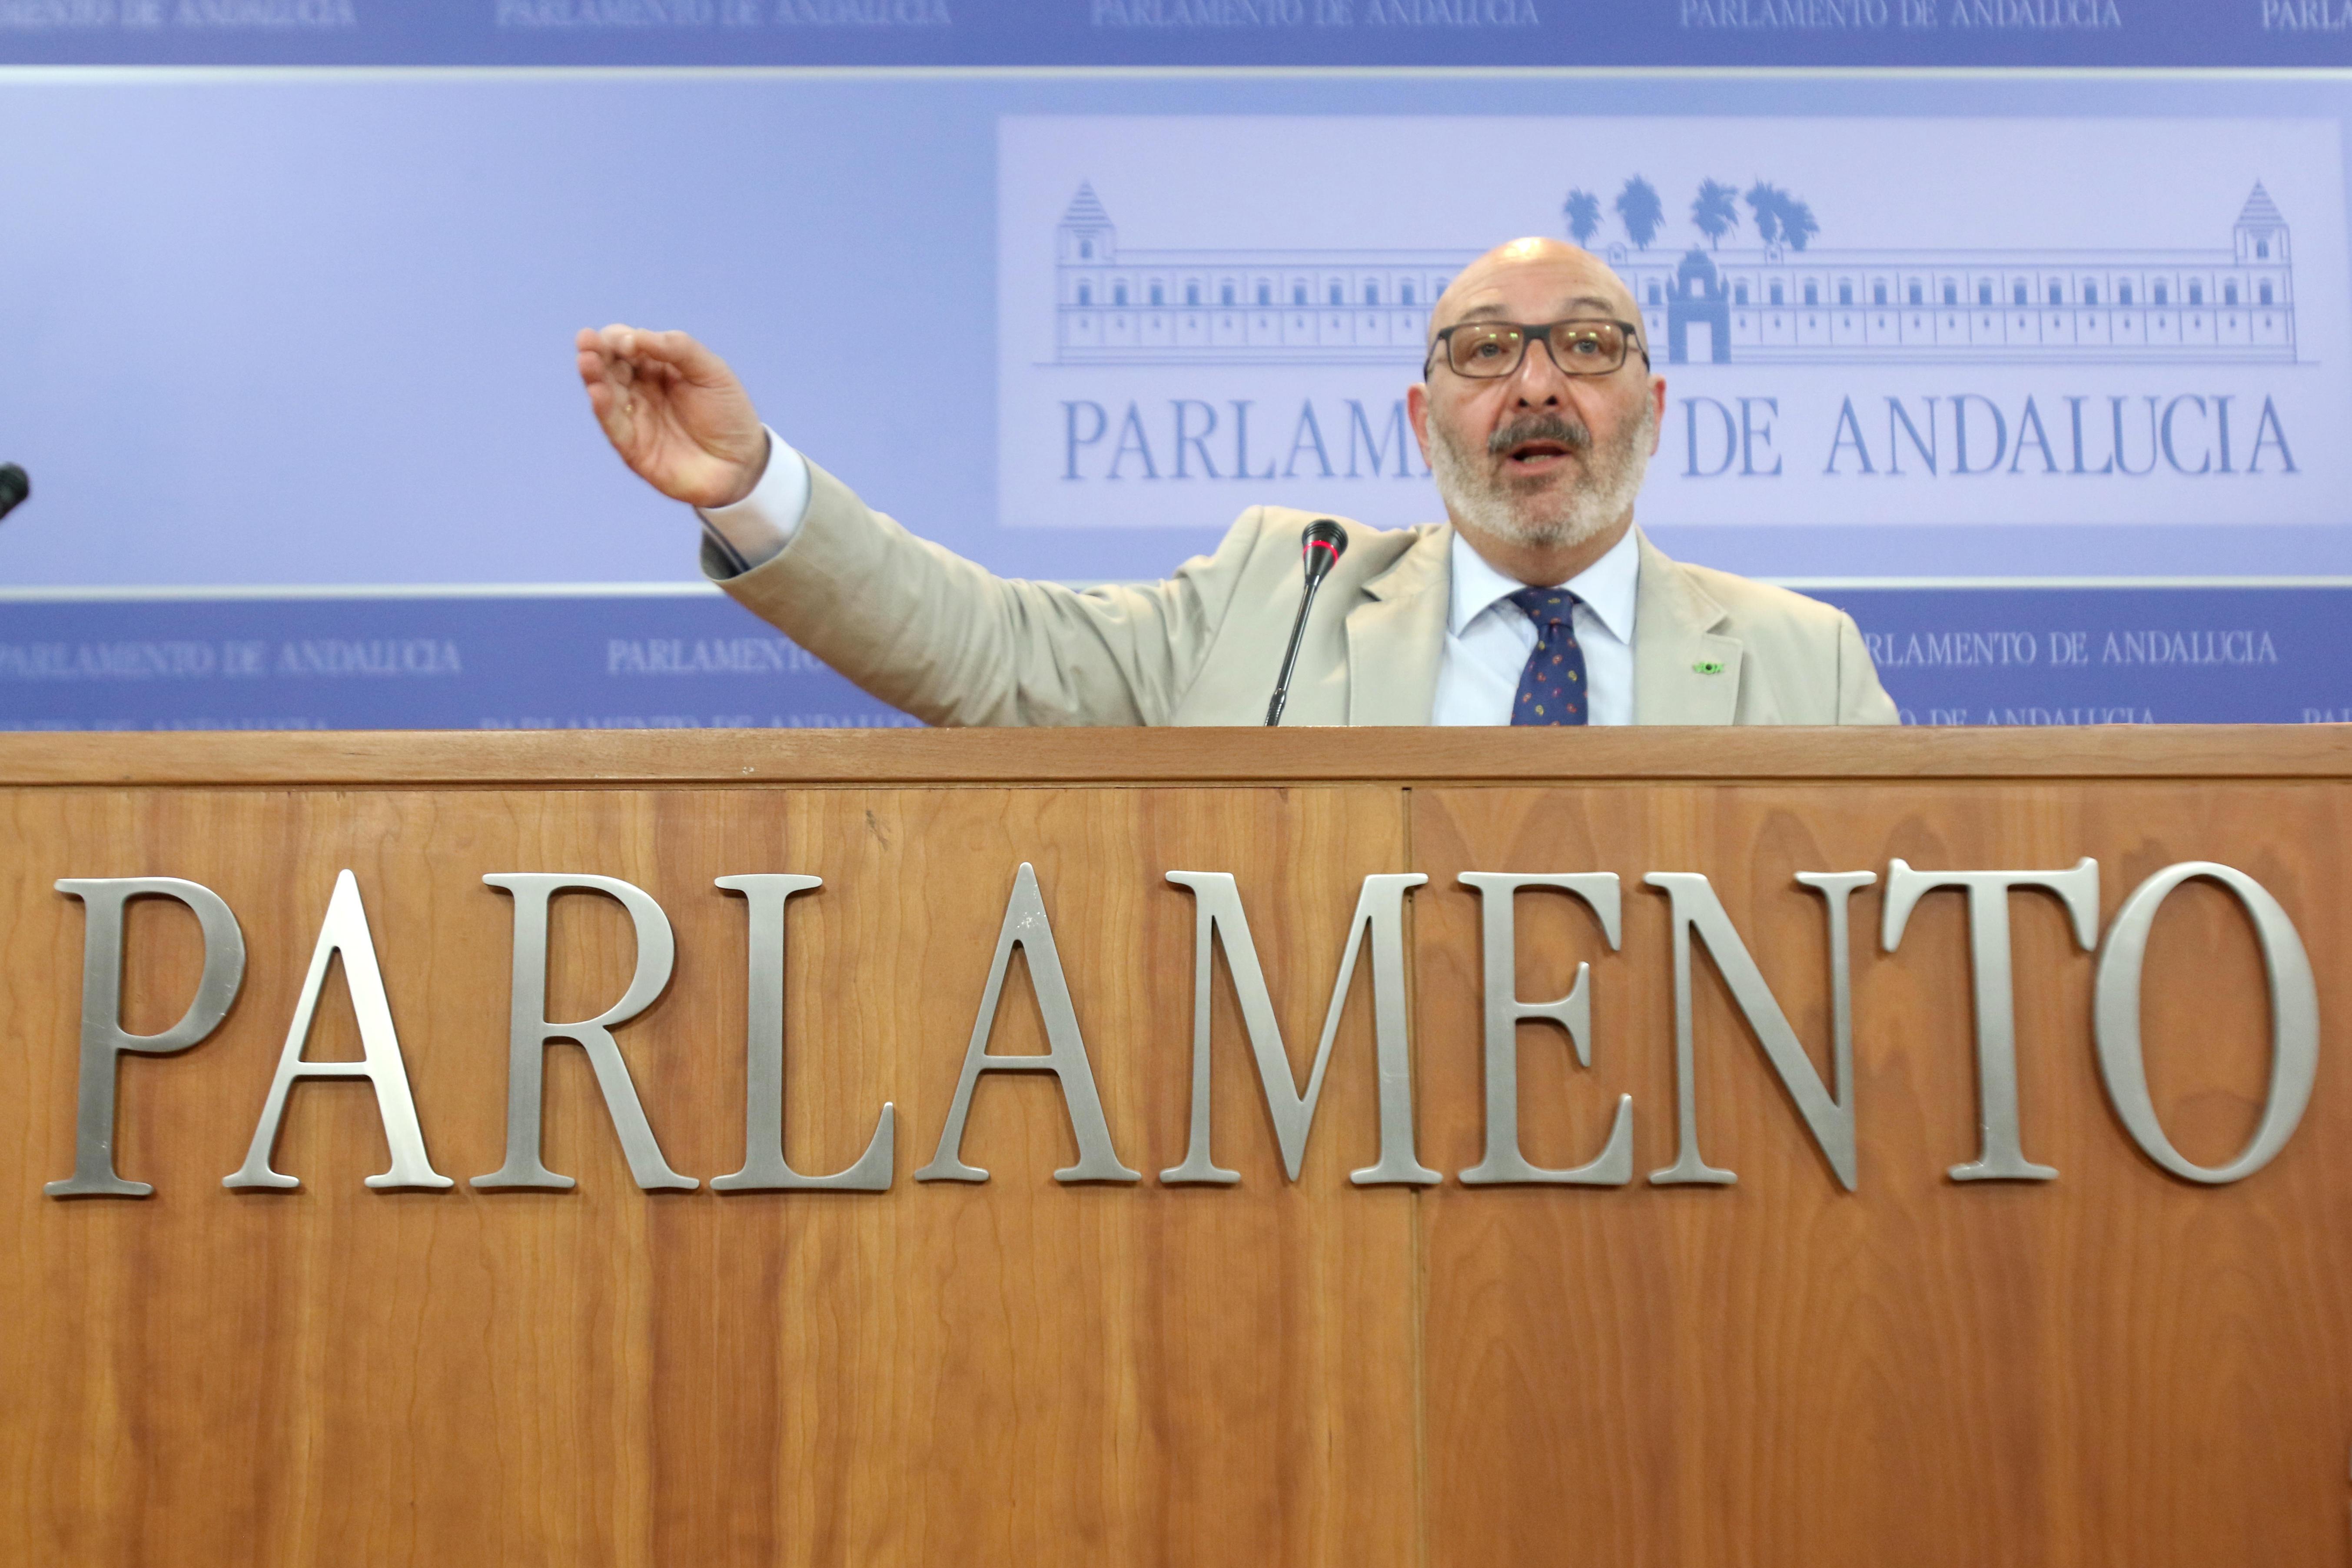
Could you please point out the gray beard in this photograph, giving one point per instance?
(1556, 515)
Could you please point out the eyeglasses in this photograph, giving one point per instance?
(1488, 351)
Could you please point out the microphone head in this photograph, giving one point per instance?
(14, 486)
(1322, 545)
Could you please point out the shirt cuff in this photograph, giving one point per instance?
(755, 529)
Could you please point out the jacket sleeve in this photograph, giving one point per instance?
(1861, 698)
(920, 627)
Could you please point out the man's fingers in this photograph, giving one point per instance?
(625, 354)
(631, 354)
(676, 352)
(600, 358)
(653, 394)
(650, 345)
(613, 413)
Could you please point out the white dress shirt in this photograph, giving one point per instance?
(1488, 638)
(757, 528)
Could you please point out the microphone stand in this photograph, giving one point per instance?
(1325, 536)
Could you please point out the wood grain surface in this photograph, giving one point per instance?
(2112, 1368)
(760, 758)
(2115, 1367)
(1018, 1372)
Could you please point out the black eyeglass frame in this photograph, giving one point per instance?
(1530, 332)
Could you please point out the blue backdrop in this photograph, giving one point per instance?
(289, 286)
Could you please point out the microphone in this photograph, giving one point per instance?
(14, 487)
(1320, 549)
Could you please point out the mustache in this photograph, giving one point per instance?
(1541, 427)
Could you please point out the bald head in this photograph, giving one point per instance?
(1503, 282)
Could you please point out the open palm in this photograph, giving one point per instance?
(675, 413)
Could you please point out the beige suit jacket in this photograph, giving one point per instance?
(944, 639)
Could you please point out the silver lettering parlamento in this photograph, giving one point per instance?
(345, 931)
(104, 1039)
(2000, 1152)
(1026, 927)
(2294, 1022)
(529, 1031)
(1504, 1160)
(1379, 921)
(765, 1169)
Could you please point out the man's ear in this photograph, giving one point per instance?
(1416, 408)
(1657, 411)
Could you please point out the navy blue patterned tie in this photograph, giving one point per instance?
(1551, 687)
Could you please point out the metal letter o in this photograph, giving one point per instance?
(2294, 1022)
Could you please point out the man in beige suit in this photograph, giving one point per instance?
(1539, 602)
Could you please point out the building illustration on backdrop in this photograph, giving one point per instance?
(1762, 304)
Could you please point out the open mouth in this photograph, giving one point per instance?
(1536, 454)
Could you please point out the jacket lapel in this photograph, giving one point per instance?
(1683, 672)
(1397, 636)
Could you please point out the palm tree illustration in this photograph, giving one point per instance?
(1766, 201)
(1796, 224)
(1713, 213)
(1582, 210)
(1640, 210)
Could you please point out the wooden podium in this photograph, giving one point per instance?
(2117, 1365)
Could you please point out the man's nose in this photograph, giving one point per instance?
(1541, 383)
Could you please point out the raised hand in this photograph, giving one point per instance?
(675, 413)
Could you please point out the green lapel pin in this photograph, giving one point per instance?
(1708, 667)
